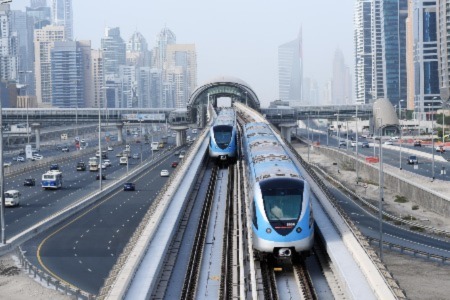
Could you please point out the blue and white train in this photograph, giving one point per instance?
(280, 207)
(222, 143)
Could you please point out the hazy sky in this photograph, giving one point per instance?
(236, 37)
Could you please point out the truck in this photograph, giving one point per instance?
(93, 164)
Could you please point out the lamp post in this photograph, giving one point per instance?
(328, 133)
(140, 136)
(357, 157)
(100, 146)
(307, 127)
(380, 204)
(432, 141)
(2, 179)
(401, 131)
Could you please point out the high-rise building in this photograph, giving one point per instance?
(44, 40)
(98, 81)
(40, 13)
(130, 97)
(114, 52)
(67, 75)
(62, 15)
(310, 92)
(181, 69)
(341, 83)
(156, 87)
(290, 70)
(393, 30)
(144, 82)
(363, 51)
(378, 66)
(410, 57)
(137, 51)
(23, 25)
(8, 46)
(443, 38)
(165, 37)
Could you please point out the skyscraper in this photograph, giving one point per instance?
(443, 38)
(426, 74)
(40, 13)
(341, 84)
(67, 74)
(114, 52)
(165, 37)
(181, 61)
(62, 16)
(98, 80)
(43, 43)
(8, 46)
(290, 70)
(378, 43)
(363, 51)
(393, 31)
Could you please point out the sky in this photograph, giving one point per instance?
(238, 38)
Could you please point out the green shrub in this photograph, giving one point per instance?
(400, 199)
(415, 207)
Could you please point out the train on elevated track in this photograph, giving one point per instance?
(280, 205)
(222, 143)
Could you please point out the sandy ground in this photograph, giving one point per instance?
(421, 279)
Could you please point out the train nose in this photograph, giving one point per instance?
(284, 252)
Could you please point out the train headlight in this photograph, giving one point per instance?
(268, 230)
(298, 229)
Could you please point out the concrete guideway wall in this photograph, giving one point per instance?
(413, 190)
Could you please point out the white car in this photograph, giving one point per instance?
(164, 173)
(110, 148)
(20, 158)
(7, 164)
(388, 143)
(107, 162)
(135, 156)
(103, 166)
(353, 143)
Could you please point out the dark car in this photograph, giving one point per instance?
(29, 182)
(176, 153)
(54, 167)
(98, 177)
(417, 144)
(81, 166)
(412, 160)
(174, 164)
(129, 186)
(22, 152)
(365, 145)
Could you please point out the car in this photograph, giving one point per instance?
(440, 149)
(394, 138)
(59, 147)
(138, 141)
(65, 149)
(110, 148)
(135, 156)
(7, 164)
(342, 143)
(146, 142)
(120, 154)
(29, 182)
(104, 166)
(107, 162)
(20, 158)
(98, 177)
(388, 143)
(417, 144)
(181, 156)
(365, 145)
(129, 186)
(54, 167)
(22, 152)
(174, 164)
(353, 143)
(81, 166)
(37, 157)
(164, 173)
(412, 160)
(176, 153)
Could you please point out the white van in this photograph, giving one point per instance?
(123, 160)
(12, 198)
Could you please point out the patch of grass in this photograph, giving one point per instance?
(415, 207)
(400, 199)
(409, 218)
(416, 228)
(398, 223)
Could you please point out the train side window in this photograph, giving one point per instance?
(255, 220)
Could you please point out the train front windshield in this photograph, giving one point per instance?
(282, 198)
(222, 135)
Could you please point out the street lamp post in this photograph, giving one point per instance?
(357, 157)
(432, 142)
(328, 133)
(401, 131)
(100, 146)
(2, 179)
(380, 204)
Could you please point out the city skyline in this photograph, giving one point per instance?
(241, 43)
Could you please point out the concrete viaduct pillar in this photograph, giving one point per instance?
(286, 130)
(119, 133)
(181, 134)
(37, 133)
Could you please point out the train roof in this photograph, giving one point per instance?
(226, 117)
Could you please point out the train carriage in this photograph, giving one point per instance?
(222, 145)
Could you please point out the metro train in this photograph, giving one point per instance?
(222, 144)
(280, 207)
